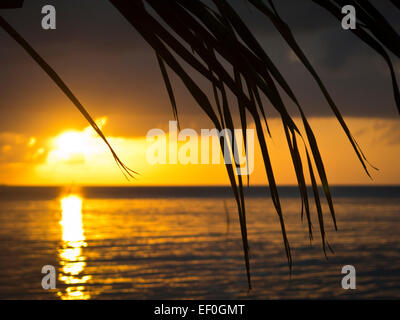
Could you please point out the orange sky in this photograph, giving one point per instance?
(44, 140)
(77, 155)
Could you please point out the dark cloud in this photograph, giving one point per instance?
(114, 72)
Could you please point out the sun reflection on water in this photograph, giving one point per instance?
(70, 254)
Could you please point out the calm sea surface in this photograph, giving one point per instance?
(179, 243)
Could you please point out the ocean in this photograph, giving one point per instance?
(181, 243)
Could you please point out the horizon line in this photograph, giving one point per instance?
(181, 186)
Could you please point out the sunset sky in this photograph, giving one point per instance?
(44, 140)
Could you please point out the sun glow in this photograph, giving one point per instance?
(71, 143)
(81, 156)
(76, 146)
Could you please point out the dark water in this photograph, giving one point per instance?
(176, 243)
(48, 193)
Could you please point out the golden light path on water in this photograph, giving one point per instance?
(71, 256)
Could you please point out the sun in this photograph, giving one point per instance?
(81, 156)
(76, 146)
(73, 147)
(71, 143)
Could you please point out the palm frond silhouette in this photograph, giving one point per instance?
(189, 33)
